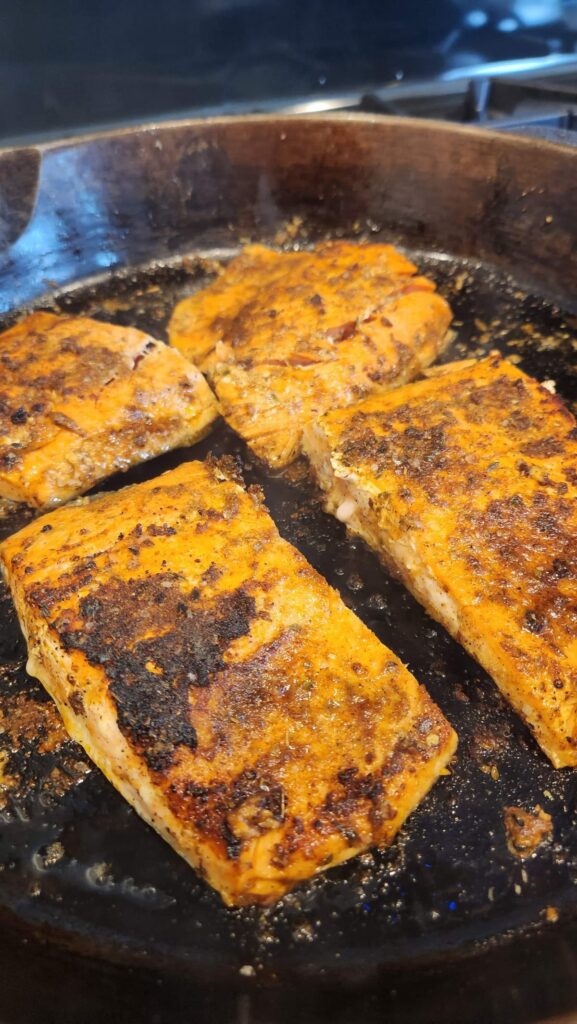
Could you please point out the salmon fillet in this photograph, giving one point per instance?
(220, 683)
(285, 336)
(466, 484)
(80, 400)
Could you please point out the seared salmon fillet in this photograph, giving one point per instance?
(285, 336)
(220, 683)
(80, 400)
(466, 484)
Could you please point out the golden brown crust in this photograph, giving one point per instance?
(285, 336)
(220, 683)
(470, 485)
(80, 400)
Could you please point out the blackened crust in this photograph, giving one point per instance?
(150, 679)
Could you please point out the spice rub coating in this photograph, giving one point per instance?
(220, 683)
(466, 484)
(80, 400)
(285, 336)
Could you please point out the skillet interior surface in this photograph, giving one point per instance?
(79, 867)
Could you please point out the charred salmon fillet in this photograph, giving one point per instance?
(80, 400)
(466, 484)
(220, 683)
(285, 336)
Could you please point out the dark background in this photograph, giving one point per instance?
(66, 64)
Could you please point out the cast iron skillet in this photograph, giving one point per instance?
(98, 916)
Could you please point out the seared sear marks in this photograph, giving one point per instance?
(467, 485)
(81, 399)
(220, 683)
(157, 671)
(285, 336)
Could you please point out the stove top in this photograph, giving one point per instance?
(510, 63)
(536, 98)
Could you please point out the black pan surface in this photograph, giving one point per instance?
(445, 925)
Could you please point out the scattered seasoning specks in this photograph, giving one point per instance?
(454, 844)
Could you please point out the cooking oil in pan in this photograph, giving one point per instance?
(75, 858)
